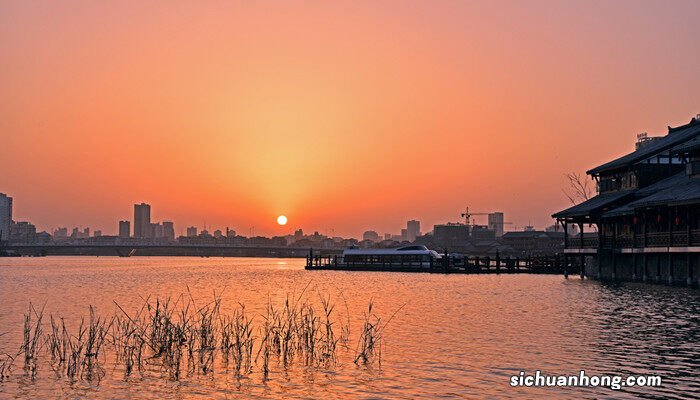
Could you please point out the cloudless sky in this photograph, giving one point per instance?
(342, 115)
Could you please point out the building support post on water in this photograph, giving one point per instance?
(614, 253)
(583, 255)
(658, 268)
(634, 246)
(600, 249)
(670, 243)
(689, 264)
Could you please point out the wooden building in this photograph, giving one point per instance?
(646, 214)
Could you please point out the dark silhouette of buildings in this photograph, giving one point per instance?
(646, 212)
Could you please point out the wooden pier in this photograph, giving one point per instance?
(556, 264)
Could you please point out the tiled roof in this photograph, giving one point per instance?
(676, 136)
(684, 192)
(599, 203)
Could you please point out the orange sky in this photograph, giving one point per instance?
(342, 116)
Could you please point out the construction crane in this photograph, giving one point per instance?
(467, 215)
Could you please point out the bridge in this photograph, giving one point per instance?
(127, 250)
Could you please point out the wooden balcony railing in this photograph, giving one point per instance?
(681, 238)
(588, 242)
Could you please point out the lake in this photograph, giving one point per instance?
(448, 336)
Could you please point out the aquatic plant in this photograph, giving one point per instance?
(369, 347)
(31, 340)
(178, 335)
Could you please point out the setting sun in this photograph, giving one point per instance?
(282, 220)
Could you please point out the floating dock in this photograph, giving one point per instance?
(556, 264)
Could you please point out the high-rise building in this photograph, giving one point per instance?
(5, 216)
(142, 221)
(404, 235)
(371, 235)
(192, 231)
(97, 233)
(169, 230)
(23, 232)
(412, 230)
(124, 229)
(156, 230)
(298, 234)
(496, 223)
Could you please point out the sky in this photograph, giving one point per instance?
(343, 116)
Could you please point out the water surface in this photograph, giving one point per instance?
(457, 336)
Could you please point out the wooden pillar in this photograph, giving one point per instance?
(616, 232)
(566, 267)
(645, 265)
(658, 268)
(689, 265)
(669, 224)
(644, 227)
(670, 268)
(687, 225)
(634, 267)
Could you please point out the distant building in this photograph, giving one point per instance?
(412, 230)
(169, 230)
(371, 236)
(60, 233)
(480, 232)
(230, 233)
(451, 234)
(218, 234)
(124, 229)
(404, 234)
(192, 231)
(495, 223)
(532, 242)
(86, 232)
(387, 236)
(5, 216)
(573, 229)
(142, 221)
(23, 232)
(366, 243)
(156, 230)
(97, 233)
(298, 235)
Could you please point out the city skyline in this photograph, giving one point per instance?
(338, 117)
(142, 226)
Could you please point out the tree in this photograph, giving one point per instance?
(579, 189)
